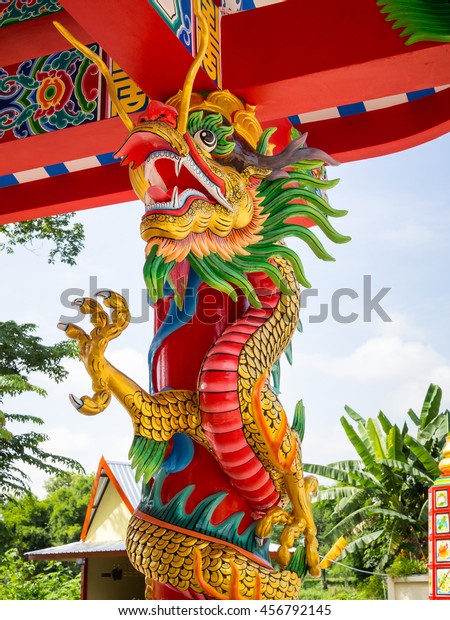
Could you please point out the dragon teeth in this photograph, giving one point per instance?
(175, 202)
(152, 175)
(178, 164)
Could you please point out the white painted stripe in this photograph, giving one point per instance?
(439, 88)
(319, 115)
(371, 105)
(31, 175)
(82, 164)
(385, 102)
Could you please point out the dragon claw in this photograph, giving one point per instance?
(103, 293)
(76, 402)
(62, 326)
(78, 301)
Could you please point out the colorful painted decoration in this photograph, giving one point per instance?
(439, 530)
(219, 462)
(48, 93)
(443, 550)
(179, 15)
(16, 11)
(442, 498)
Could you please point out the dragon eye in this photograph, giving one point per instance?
(206, 139)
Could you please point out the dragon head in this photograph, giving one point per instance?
(198, 186)
(215, 197)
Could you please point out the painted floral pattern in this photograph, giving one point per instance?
(15, 11)
(47, 94)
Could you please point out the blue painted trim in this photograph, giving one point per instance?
(351, 108)
(7, 180)
(56, 169)
(107, 158)
(295, 119)
(418, 94)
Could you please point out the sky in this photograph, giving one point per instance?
(383, 357)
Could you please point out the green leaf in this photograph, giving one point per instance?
(414, 417)
(386, 425)
(431, 404)
(408, 469)
(335, 493)
(374, 434)
(422, 455)
(355, 416)
(394, 444)
(362, 542)
(329, 472)
(349, 523)
(390, 513)
(364, 452)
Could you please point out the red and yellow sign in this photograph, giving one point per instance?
(439, 531)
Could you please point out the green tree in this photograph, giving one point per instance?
(67, 237)
(67, 500)
(19, 580)
(381, 499)
(29, 523)
(22, 352)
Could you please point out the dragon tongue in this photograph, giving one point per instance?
(158, 194)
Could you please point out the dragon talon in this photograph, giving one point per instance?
(103, 293)
(79, 301)
(62, 326)
(76, 402)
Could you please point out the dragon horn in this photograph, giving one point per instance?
(104, 70)
(191, 75)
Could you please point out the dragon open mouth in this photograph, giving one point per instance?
(167, 172)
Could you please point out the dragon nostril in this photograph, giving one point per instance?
(158, 111)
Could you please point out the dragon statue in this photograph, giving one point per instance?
(219, 462)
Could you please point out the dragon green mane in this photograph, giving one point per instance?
(299, 194)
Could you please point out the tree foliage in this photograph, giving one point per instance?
(22, 352)
(67, 237)
(19, 580)
(381, 498)
(29, 523)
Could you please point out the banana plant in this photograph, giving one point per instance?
(381, 497)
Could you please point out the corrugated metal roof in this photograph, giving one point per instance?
(78, 550)
(125, 477)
